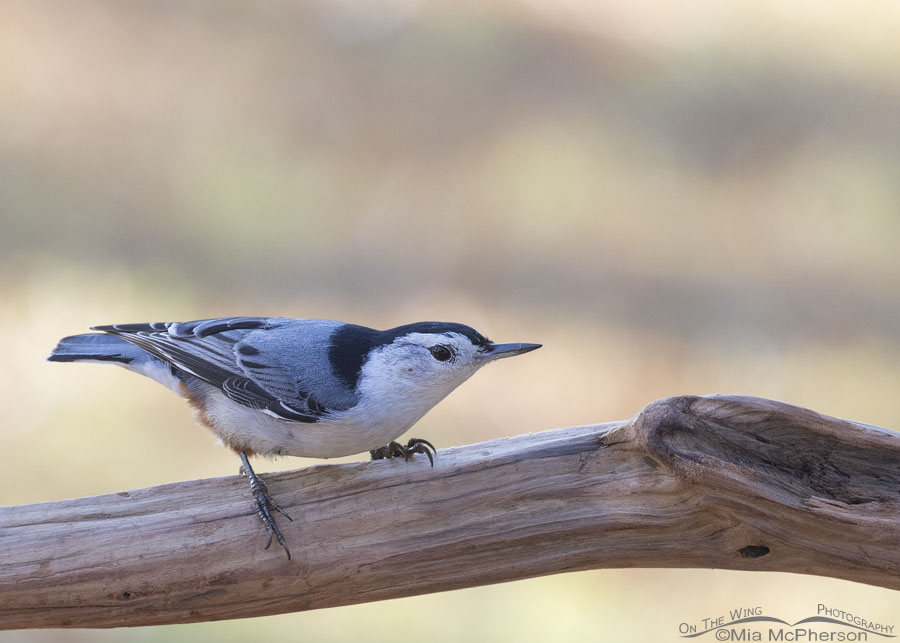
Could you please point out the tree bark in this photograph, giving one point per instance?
(722, 481)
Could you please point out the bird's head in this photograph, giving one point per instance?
(430, 359)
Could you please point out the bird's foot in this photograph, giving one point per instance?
(395, 449)
(263, 503)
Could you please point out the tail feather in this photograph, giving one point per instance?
(95, 347)
(111, 349)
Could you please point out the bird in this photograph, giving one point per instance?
(273, 386)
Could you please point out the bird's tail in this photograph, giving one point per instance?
(95, 347)
(111, 349)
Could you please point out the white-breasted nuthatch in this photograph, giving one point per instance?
(300, 387)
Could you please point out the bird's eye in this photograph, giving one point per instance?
(441, 353)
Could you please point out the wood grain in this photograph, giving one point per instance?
(723, 481)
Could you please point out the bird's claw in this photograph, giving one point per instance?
(263, 503)
(395, 449)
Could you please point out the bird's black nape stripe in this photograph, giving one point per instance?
(349, 346)
(351, 343)
(437, 327)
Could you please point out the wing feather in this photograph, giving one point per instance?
(215, 351)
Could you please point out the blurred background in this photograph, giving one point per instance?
(695, 197)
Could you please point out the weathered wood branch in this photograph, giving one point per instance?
(722, 481)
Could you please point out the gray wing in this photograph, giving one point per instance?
(266, 363)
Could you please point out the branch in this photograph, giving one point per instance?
(722, 481)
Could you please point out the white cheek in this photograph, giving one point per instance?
(409, 369)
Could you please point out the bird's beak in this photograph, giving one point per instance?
(499, 351)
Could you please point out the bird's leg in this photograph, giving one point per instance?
(263, 502)
(395, 449)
